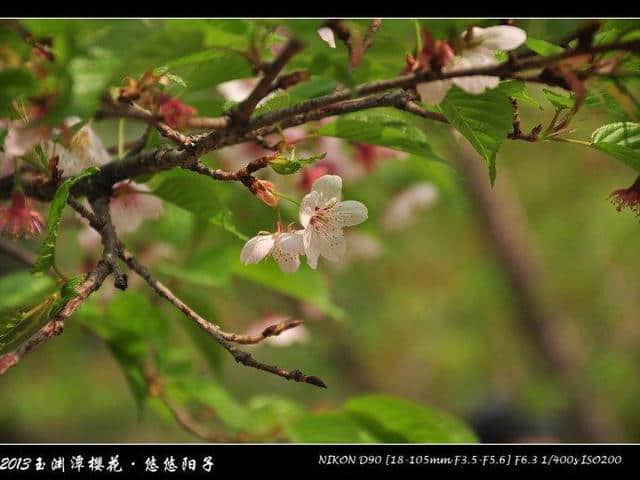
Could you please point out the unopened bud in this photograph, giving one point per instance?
(264, 191)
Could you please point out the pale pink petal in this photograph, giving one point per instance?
(150, 206)
(89, 239)
(349, 212)
(311, 243)
(286, 251)
(500, 37)
(237, 90)
(362, 246)
(256, 249)
(433, 92)
(404, 207)
(88, 147)
(329, 188)
(308, 206)
(333, 246)
(68, 163)
(477, 84)
(326, 34)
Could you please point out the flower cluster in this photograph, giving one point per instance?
(323, 217)
(478, 49)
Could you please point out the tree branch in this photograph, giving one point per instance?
(110, 243)
(54, 327)
(223, 338)
(244, 109)
(123, 109)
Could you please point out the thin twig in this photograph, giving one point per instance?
(221, 337)
(122, 109)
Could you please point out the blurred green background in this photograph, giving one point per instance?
(429, 316)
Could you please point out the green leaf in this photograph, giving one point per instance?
(518, 90)
(397, 420)
(272, 411)
(19, 325)
(330, 427)
(47, 251)
(306, 284)
(15, 84)
(203, 390)
(210, 268)
(598, 97)
(561, 102)
(21, 288)
(382, 126)
(209, 67)
(542, 47)
(287, 166)
(276, 101)
(197, 194)
(620, 140)
(25, 303)
(131, 325)
(315, 87)
(67, 292)
(484, 120)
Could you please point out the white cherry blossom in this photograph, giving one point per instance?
(405, 206)
(131, 204)
(85, 150)
(327, 36)
(480, 49)
(323, 216)
(284, 247)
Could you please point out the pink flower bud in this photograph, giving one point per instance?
(264, 191)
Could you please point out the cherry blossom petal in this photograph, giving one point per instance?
(349, 213)
(286, 251)
(88, 147)
(256, 249)
(68, 163)
(308, 207)
(326, 34)
(311, 243)
(329, 188)
(333, 245)
(129, 208)
(237, 90)
(149, 206)
(291, 242)
(500, 37)
(433, 92)
(477, 84)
